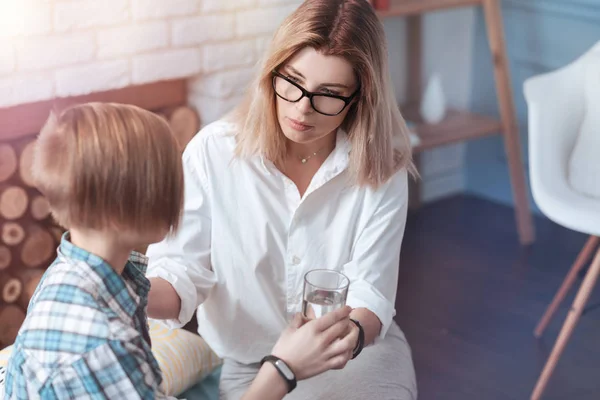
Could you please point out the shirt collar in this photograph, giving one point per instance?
(129, 290)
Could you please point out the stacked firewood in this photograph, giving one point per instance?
(28, 234)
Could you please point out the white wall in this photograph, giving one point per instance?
(448, 47)
(58, 48)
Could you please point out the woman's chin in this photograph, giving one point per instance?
(300, 137)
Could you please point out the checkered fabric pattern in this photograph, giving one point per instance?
(86, 333)
(2, 378)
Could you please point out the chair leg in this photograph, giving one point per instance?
(580, 300)
(581, 260)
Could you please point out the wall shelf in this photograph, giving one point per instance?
(459, 126)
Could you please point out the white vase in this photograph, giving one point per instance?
(433, 103)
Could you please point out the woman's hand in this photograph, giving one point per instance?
(351, 335)
(313, 347)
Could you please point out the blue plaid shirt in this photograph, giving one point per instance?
(86, 333)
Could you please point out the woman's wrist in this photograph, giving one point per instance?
(283, 369)
(268, 385)
(369, 322)
(360, 341)
(163, 300)
(279, 384)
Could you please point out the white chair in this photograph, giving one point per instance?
(556, 108)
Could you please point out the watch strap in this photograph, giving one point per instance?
(278, 363)
(360, 343)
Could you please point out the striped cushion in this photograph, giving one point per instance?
(183, 357)
(4, 356)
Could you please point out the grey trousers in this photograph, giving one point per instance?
(383, 371)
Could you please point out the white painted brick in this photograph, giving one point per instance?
(149, 9)
(223, 84)
(190, 31)
(95, 77)
(81, 14)
(223, 56)
(7, 57)
(226, 5)
(262, 45)
(260, 21)
(211, 109)
(55, 51)
(133, 39)
(25, 17)
(166, 65)
(19, 89)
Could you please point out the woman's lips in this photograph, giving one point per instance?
(297, 125)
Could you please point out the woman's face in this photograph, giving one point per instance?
(315, 73)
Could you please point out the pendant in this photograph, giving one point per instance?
(304, 161)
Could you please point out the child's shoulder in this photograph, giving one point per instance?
(67, 300)
(65, 282)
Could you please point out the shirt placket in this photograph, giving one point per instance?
(294, 250)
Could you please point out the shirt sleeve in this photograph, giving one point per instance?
(183, 259)
(373, 269)
(115, 370)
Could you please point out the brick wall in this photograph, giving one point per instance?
(59, 48)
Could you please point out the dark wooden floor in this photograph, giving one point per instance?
(469, 297)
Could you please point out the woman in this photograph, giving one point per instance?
(310, 173)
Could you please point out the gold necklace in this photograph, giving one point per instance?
(304, 160)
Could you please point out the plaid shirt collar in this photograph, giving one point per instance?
(132, 284)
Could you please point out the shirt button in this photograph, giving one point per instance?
(296, 260)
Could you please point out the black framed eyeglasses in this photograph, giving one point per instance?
(326, 104)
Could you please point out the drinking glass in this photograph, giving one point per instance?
(324, 291)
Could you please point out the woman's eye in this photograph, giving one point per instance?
(330, 92)
(292, 78)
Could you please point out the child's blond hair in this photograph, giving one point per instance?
(110, 166)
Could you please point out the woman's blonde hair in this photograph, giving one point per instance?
(110, 166)
(375, 127)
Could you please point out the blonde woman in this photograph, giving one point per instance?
(311, 172)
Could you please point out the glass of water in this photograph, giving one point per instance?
(324, 291)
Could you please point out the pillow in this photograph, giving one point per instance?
(4, 356)
(184, 357)
(584, 165)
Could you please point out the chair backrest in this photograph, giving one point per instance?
(556, 108)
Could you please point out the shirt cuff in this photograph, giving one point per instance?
(176, 275)
(364, 295)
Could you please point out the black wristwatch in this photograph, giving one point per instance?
(284, 370)
(360, 343)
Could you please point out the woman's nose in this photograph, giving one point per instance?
(304, 105)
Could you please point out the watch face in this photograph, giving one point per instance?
(284, 368)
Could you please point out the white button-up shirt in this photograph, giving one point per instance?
(247, 238)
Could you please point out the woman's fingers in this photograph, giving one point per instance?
(342, 346)
(336, 331)
(298, 321)
(338, 362)
(331, 318)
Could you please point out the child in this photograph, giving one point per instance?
(113, 177)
